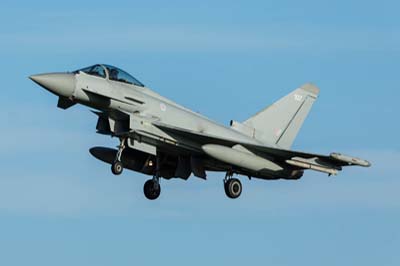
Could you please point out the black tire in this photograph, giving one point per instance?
(226, 188)
(117, 168)
(233, 188)
(151, 189)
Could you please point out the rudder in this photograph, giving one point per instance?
(280, 122)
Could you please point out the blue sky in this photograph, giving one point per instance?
(227, 60)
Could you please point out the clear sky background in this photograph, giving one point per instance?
(227, 60)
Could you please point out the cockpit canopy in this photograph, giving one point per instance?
(110, 72)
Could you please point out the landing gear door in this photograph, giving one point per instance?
(141, 146)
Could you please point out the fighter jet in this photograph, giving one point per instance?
(163, 139)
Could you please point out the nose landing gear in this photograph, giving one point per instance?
(117, 167)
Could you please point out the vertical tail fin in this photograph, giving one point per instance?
(280, 123)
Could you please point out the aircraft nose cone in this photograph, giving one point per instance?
(61, 84)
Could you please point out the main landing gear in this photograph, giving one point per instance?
(117, 167)
(152, 188)
(233, 186)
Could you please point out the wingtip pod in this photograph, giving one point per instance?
(311, 88)
(350, 160)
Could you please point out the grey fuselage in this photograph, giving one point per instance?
(152, 123)
(145, 103)
(190, 143)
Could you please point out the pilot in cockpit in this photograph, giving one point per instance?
(113, 74)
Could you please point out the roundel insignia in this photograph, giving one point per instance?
(163, 107)
(278, 132)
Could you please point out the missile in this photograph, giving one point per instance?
(308, 165)
(241, 157)
(350, 160)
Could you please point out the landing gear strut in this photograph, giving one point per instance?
(117, 167)
(152, 188)
(232, 186)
